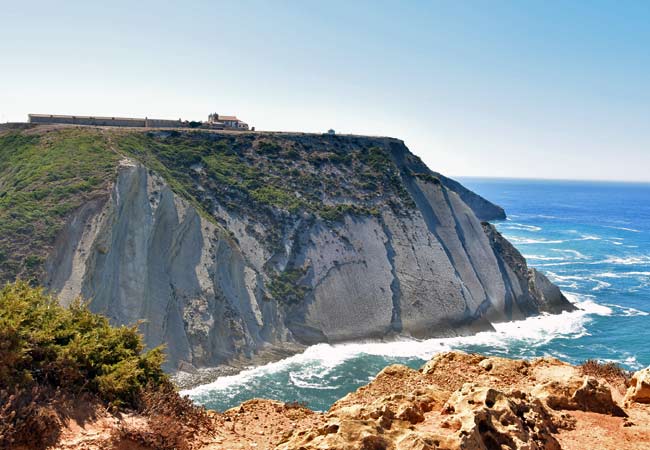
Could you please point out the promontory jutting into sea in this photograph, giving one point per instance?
(236, 248)
(311, 226)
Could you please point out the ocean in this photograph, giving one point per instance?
(591, 238)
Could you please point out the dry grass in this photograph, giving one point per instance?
(610, 371)
(173, 422)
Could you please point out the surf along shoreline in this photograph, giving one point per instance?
(535, 330)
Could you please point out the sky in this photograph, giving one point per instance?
(527, 89)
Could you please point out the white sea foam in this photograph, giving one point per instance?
(318, 360)
(633, 230)
(626, 260)
(632, 274)
(632, 362)
(626, 311)
(524, 241)
(544, 258)
(571, 281)
(600, 285)
(611, 275)
(576, 254)
(557, 277)
(589, 237)
(588, 305)
(521, 226)
(300, 382)
(551, 264)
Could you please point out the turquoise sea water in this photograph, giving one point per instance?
(591, 239)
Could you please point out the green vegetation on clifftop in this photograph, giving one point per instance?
(246, 172)
(43, 178)
(48, 174)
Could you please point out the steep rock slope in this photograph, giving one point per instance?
(229, 245)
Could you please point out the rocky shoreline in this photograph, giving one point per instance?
(188, 377)
(454, 401)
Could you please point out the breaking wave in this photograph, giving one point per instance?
(311, 368)
(626, 260)
(521, 227)
(544, 258)
(525, 241)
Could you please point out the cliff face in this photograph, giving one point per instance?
(229, 245)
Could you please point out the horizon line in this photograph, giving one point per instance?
(572, 180)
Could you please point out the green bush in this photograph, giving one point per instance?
(269, 148)
(431, 178)
(45, 344)
(286, 287)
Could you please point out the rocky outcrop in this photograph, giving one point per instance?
(639, 390)
(217, 280)
(460, 401)
(456, 401)
(528, 288)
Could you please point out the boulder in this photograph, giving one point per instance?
(578, 393)
(493, 419)
(639, 390)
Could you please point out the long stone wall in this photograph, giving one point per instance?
(106, 121)
(162, 123)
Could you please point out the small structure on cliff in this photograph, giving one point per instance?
(229, 122)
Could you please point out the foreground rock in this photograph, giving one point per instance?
(455, 401)
(639, 390)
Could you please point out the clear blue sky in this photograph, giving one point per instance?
(544, 89)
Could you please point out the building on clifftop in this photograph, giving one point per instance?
(229, 122)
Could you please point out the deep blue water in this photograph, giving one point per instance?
(592, 239)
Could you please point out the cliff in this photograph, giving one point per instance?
(234, 245)
(455, 401)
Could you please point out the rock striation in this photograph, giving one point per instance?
(235, 246)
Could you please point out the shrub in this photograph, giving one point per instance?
(269, 148)
(337, 212)
(28, 419)
(286, 288)
(45, 344)
(173, 421)
(610, 371)
(53, 358)
(427, 177)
